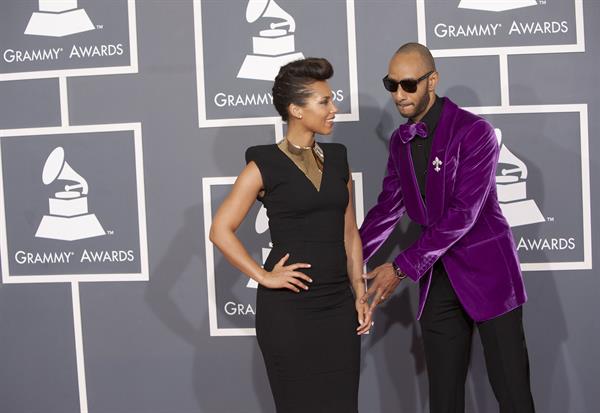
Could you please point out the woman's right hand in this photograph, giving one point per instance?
(286, 276)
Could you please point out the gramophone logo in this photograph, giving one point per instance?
(261, 225)
(495, 5)
(58, 18)
(68, 218)
(511, 184)
(273, 47)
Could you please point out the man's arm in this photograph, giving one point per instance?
(477, 159)
(383, 217)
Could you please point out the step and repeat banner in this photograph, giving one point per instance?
(105, 210)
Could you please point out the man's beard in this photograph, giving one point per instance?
(421, 105)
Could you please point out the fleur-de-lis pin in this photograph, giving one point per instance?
(437, 163)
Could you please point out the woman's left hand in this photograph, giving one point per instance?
(364, 317)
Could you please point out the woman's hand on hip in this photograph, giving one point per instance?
(287, 276)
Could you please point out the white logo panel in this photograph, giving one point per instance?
(496, 27)
(532, 183)
(61, 38)
(234, 88)
(72, 204)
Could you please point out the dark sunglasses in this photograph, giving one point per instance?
(408, 85)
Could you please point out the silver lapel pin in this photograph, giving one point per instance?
(437, 163)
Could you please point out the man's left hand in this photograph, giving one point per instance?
(384, 284)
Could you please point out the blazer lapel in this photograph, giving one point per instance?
(408, 181)
(439, 163)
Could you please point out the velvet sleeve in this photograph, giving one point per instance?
(383, 217)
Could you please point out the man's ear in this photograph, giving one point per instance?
(433, 81)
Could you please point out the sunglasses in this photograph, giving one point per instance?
(408, 85)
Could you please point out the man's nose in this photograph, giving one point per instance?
(399, 95)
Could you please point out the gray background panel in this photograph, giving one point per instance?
(147, 344)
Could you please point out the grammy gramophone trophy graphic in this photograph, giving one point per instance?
(58, 18)
(261, 225)
(511, 184)
(495, 5)
(68, 218)
(273, 47)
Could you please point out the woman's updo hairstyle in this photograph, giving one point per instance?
(291, 84)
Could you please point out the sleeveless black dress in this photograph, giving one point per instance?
(308, 339)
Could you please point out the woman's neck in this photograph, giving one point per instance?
(300, 136)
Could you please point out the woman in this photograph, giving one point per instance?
(308, 322)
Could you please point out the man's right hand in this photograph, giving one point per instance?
(384, 284)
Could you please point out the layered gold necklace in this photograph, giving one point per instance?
(309, 159)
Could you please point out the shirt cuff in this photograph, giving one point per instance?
(406, 267)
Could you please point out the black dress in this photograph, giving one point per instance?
(308, 339)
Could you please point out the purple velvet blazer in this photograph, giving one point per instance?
(463, 223)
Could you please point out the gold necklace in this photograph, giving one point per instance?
(316, 150)
(298, 148)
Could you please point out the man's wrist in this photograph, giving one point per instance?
(398, 272)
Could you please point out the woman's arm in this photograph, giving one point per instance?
(227, 220)
(353, 246)
(354, 264)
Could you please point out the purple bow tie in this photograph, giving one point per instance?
(409, 130)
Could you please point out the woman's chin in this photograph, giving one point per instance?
(328, 130)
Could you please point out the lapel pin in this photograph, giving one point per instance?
(437, 163)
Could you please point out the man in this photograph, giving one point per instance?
(441, 172)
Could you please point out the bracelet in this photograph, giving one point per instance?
(398, 272)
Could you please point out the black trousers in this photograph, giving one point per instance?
(447, 334)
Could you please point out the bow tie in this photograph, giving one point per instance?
(409, 130)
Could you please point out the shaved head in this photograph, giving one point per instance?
(414, 62)
(420, 50)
